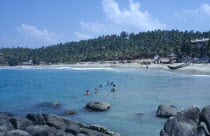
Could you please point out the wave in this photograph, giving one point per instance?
(99, 68)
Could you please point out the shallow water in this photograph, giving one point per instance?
(134, 105)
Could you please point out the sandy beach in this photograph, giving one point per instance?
(203, 69)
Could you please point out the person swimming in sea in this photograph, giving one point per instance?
(113, 89)
(88, 92)
(96, 91)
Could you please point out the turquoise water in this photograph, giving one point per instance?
(134, 105)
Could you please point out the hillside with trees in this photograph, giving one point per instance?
(111, 47)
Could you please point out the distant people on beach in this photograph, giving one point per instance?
(88, 92)
(96, 91)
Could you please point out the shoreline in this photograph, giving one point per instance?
(203, 69)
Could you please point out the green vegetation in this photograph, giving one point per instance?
(111, 47)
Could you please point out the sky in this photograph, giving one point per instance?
(37, 23)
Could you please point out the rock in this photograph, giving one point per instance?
(183, 124)
(38, 119)
(5, 124)
(43, 130)
(69, 126)
(102, 129)
(71, 112)
(50, 120)
(163, 133)
(48, 105)
(19, 122)
(166, 111)
(205, 116)
(90, 132)
(74, 128)
(204, 127)
(81, 134)
(199, 132)
(190, 115)
(98, 106)
(17, 133)
(6, 114)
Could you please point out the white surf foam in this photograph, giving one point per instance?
(99, 68)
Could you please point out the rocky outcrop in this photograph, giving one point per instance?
(166, 111)
(189, 122)
(48, 125)
(98, 106)
(183, 124)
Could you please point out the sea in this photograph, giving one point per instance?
(133, 106)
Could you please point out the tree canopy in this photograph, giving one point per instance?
(110, 47)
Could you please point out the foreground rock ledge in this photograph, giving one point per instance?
(48, 125)
(98, 106)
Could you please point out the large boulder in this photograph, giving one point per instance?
(183, 124)
(98, 106)
(166, 111)
(205, 116)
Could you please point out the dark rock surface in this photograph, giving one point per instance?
(205, 116)
(166, 111)
(98, 106)
(184, 123)
(48, 125)
(189, 122)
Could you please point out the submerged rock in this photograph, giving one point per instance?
(166, 111)
(48, 105)
(71, 112)
(98, 106)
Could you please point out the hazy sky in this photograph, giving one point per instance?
(34, 23)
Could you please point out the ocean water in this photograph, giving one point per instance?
(133, 106)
